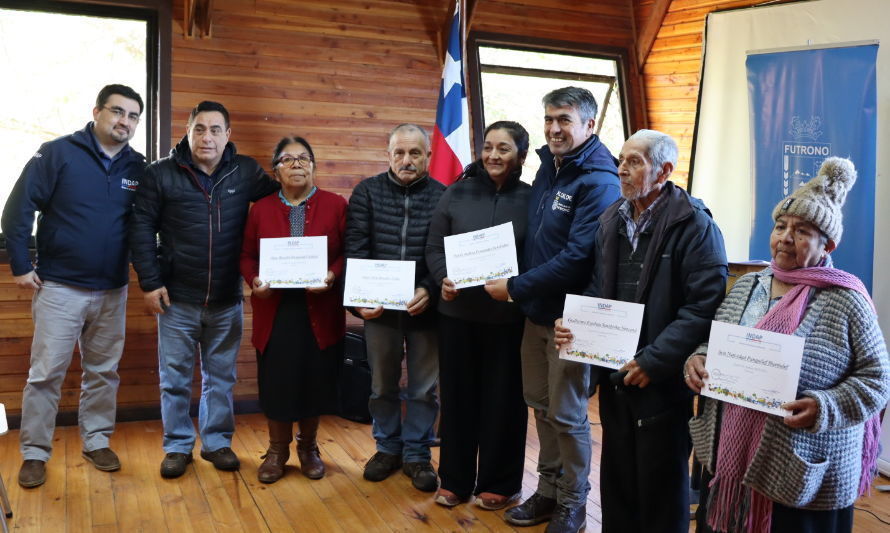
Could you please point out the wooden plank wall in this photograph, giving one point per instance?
(671, 74)
(342, 74)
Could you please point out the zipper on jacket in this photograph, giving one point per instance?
(210, 231)
(405, 226)
(542, 205)
(494, 208)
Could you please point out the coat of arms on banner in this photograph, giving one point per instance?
(803, 154)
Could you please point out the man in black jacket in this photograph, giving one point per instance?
(389, 215)
(196, 201)
(83, 185)
(658, 247)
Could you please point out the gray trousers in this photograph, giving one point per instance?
(64, 316)
(387, 346)
(557, 391)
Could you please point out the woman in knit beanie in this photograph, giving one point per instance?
(804, 471)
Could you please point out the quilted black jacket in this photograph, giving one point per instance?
(195, 255)
(388, 220)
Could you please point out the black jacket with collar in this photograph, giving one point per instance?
(388, 220)
(196, 252)
(682, 283)
(472, 203)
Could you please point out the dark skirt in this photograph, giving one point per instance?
(296, 379)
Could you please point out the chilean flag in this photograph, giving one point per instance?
(451, 136)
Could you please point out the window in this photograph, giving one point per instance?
(55, 57)
(509, 81)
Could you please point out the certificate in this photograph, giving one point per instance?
(294, 262)
(373, 283)
(753, 368)
(606, 332)
(472, 258)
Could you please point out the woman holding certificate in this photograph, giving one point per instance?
(297, 332)
(804, 471)
(483, 414)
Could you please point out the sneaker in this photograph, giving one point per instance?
(532, 511)
(103, 459)
(495, 502)
(568, 519)
(32, 473)
(381, 466)
(446, 498)
(174, 464)
(222, 459)
(422, 475)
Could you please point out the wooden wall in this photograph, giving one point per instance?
(671, 73)
(342, 74)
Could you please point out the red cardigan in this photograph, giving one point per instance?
(269, 218)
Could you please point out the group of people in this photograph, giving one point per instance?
(590, 224)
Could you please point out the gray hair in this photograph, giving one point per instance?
(409, 127)
(576, 97)
(660, 147)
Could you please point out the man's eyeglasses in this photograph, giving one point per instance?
(290, 161)
(120, 112)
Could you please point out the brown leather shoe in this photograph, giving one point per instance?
(307, 449)
(32, 473)
(278, 453)
(103, 459)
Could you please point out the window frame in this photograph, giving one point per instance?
(158, 97)
(158, 17)
(475, 40)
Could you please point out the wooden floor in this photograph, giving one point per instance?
(78, 498)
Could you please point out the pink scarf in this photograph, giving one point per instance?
(732, 507)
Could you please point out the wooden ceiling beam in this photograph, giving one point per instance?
(471, 12)
(197, 19)
(645, 36)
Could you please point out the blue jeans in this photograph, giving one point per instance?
(64, 316)
(387, 345)
(185, 331)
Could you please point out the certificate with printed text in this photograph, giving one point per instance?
(294, 262)
(474, 257)
(373, 283)
(606, 332)
(753, 368)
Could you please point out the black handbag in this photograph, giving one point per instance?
(355, 378)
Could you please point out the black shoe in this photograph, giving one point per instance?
(422, 475)
(222, 459)
(532, 511)
(174, 464)
(381, 466)
(567, 519)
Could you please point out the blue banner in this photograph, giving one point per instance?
(805, 106)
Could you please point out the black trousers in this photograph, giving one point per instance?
(644, 470)
(483, 413)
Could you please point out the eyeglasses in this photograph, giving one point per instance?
(290, 161)
(119, 112)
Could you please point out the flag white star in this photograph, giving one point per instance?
(451, 74)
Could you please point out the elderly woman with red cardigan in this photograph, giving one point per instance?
(297, 332)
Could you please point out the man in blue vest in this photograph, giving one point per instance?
(83, 185)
